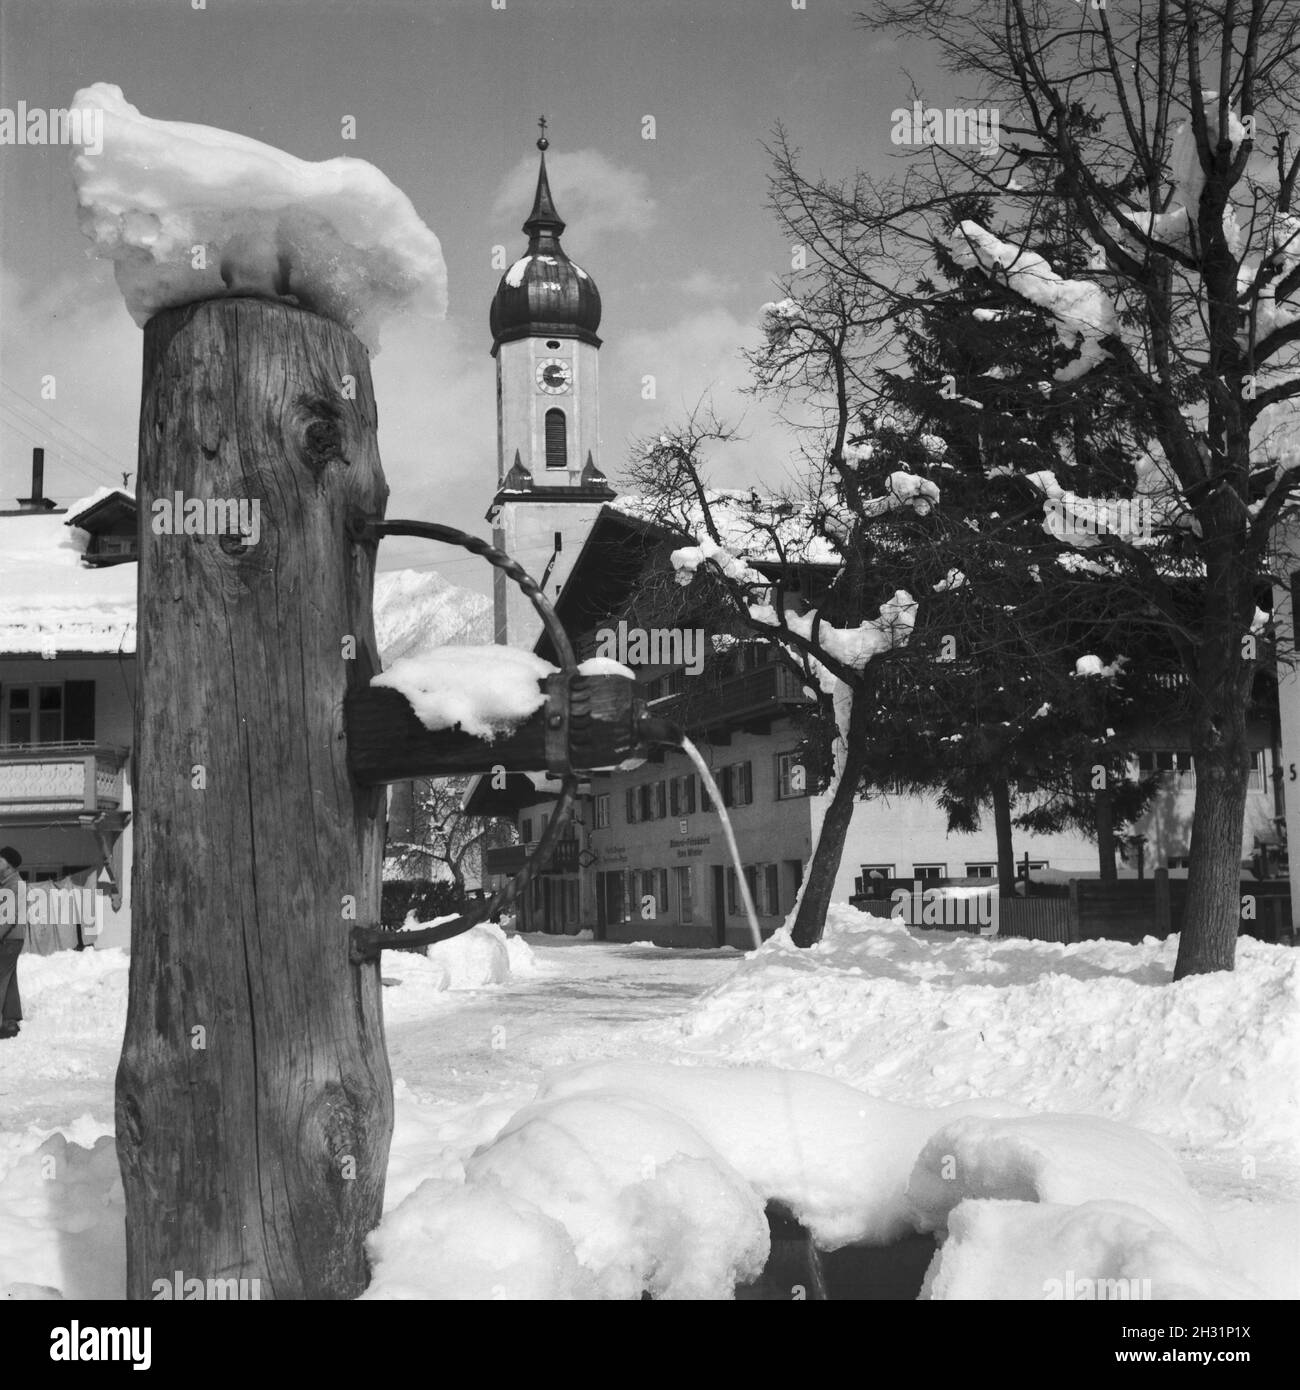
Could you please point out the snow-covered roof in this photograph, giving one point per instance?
(79, 509)
(50, 603)
(753, 526)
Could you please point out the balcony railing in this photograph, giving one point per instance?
(752, 695)
(60, 780)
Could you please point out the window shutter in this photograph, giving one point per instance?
(79, 712)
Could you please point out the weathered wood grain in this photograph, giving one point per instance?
(262, 1152)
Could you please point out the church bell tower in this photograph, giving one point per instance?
(549, 485)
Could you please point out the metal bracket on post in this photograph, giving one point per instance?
(558, 706)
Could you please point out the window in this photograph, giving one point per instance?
(526, 830)
(652, 884)
(602, 811)
(981, 870)
(685, 895)
(612, 898)
(791, 776)
(1172, 766)
(1256, 782)
(771, 881)
(1177, 861)
(557, 440)
(632, 805)
(681, 795)
(736, 783)
(660, 800)
(645, 802)
(736, 903)
(35, 714)
(929, 871)
(1034, 865)
(878, 871)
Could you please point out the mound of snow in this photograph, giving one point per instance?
(1095, 1251)
(1061, 1159)
(62, 1222)
(482, 956)
(336, 237)
(657, 1176)
(1096, 1028)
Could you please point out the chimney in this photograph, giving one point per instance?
(37, 502)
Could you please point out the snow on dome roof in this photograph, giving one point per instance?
(336, 236)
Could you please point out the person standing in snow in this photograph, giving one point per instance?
(12, 938)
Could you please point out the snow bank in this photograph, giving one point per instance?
(930, 1017)
(1062, 1159)
(485, 690)
(1099, 1250)
(336, 237)
(624, 1176)
(629, 1176)
(63, 1220)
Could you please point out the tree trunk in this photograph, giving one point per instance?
(1212, 916)
(1105, 812)
(1001, 798)
(254, 1099)
(824, 866)
(1221, 681)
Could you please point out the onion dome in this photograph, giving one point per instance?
(545, 293)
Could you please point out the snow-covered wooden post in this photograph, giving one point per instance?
(254, 1100)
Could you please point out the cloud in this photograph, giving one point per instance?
(592, 195)
(434, 384)
(75, 331)
(698, 356)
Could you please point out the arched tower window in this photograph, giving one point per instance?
(557, 440)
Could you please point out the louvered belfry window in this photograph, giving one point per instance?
(557, 440)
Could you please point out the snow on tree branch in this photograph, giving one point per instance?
(1084, 313)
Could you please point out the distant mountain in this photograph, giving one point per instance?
(418, 609)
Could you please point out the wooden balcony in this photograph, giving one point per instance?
(752, 697)
(61, 783)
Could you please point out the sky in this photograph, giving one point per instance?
(445, 97)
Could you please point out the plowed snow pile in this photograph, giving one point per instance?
(930, 1017)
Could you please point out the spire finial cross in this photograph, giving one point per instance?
(543, 143)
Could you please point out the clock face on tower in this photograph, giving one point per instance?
(554, 376)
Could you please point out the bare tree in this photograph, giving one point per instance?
(444, 842)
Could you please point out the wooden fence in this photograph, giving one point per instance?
(1089, 910)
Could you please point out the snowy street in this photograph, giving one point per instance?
(580, 1119)
(585, 1000)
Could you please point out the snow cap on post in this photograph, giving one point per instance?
(189, 212)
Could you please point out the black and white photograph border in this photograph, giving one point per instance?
(646, 653)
